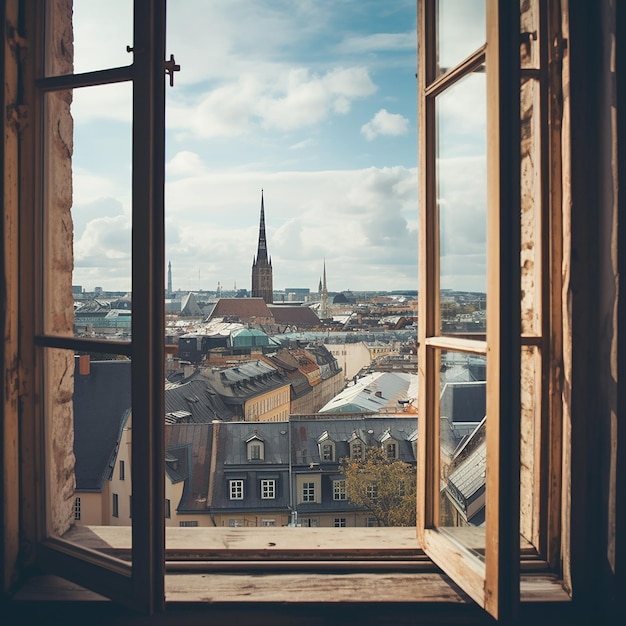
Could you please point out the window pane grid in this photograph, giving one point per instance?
(268, 489)
(236, 489)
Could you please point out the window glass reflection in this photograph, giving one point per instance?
(463, 451)
(100, 33)
(93, 125)
(460, 31)
(462, 201)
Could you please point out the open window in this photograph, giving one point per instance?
(488, 496)
(485, 494)
(71, 80)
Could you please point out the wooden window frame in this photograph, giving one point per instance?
(139, 584)
(495, 582)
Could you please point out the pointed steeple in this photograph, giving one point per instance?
(261, 254)
(262, 284)
(324, 296)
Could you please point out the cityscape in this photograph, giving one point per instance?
(283, 407)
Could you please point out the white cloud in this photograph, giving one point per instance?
(379, 42)
(385, 123)
(105, 242)
(184, 164)
(295, 98)
(361, 221)
(253, 106)
(301, 145)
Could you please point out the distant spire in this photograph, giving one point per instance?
(169, 280)
(261, 254)
(324, 296)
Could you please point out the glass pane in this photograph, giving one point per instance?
(460, 31)
(88, 210)
(89, 474)
(101, 32)
(461, 195)
(462, 437)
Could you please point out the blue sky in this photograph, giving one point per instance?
(313, 101)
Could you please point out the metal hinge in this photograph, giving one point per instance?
(170, 67)
(559, 46)
(17, 114)
(16, 42)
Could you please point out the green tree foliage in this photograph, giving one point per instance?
(384, 487)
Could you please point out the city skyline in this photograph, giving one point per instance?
(316, 105)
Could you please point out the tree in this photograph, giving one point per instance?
(384, 487)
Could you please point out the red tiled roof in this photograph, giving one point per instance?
(245, 309)
(301, 316)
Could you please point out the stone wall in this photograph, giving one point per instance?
(59, 302)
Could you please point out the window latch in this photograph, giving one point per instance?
(170, 67)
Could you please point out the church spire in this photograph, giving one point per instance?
(261, 254)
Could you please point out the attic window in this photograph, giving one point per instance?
(256, 449)
(356, 449)
(327, 451)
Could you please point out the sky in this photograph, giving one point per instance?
(311, 101)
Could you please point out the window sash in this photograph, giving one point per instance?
(494, 584)
(139, 585)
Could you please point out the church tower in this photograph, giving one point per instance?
(262, 285)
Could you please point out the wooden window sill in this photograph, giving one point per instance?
(296, 569)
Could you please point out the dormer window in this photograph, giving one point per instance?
(356, 449)
(255, 447)
(389, 445)
(326, 447)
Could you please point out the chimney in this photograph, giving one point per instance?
(84, 363)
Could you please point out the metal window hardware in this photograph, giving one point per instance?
(170, 67)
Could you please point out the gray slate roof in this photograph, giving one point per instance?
(236, 384)
(463, 401)
(101, 406)
(306, 433)
(194, 441)
(197, 400)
